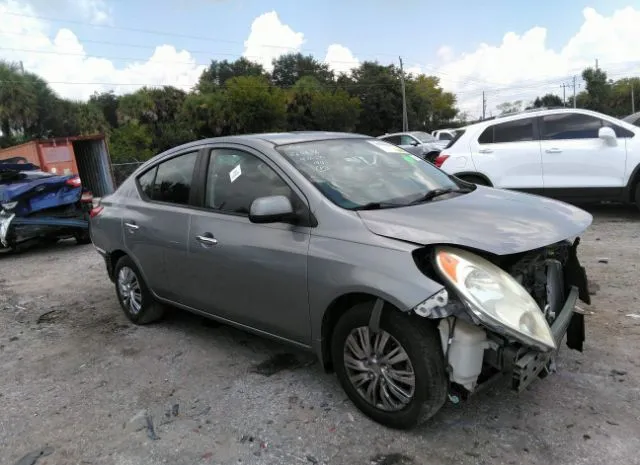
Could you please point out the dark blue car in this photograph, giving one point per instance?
(36, 206)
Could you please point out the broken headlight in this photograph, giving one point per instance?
(495, 297)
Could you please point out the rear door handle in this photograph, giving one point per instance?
(132, 226)
(485, 151)
(207, 239)
(553, 150)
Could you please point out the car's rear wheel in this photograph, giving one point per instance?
(396, 375)
(637, 195)
(133, 294)
(82, 237)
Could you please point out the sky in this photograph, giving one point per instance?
(509, 50)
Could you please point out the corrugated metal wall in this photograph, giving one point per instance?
(93, 166)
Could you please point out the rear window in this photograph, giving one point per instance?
(455, 139)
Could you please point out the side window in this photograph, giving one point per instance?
(570, 126)
(520, 130)
(235, 179)
(172, 182)
(392, 140)
(407, 140)
(146, 181)
(620, 132)
(445, 136)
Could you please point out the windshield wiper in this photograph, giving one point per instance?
(376, 206)
(437, 193)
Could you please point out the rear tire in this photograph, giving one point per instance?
(83, 237)
(637, 195)
(417, 366)
(134, 296)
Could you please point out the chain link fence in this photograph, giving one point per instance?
(121, 171)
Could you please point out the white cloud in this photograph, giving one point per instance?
(96, 11)
(60, 58)
(523, 66)
(269, 38)
(340, 59)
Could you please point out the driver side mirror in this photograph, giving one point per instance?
(272, 209)
(608, 135)
(415, 143)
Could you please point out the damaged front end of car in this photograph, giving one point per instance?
(504, 314)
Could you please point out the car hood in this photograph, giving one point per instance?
(493, 220)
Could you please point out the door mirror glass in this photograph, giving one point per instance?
(272, 209)
(607, 134)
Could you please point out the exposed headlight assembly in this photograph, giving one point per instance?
(494, 297)
(9, 205)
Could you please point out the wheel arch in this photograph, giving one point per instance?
(632, 185)
(333, 313)
(476, 174)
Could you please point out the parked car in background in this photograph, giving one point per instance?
(408, 283)
(569, 154)
(444, 134)
(36, 206)
(419, 143)
(633, 119)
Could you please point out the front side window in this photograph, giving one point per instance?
(564, 126)
(392, 139)
(235, 179)
(520, 130)
(365, 173)
(171, 180)
(407, 140)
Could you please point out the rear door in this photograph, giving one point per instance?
(252, 274)
(576, 161)
(509, 154)
(156, 225)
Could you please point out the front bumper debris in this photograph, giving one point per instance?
(528, 363)
(5, 223)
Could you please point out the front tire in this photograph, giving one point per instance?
(396, 376)
(133, 294)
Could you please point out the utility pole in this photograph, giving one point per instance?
(405, 118)
(574, 92)
(596, 63)
(633, 100)
(484, 105)
(21, 67)
(564, 94)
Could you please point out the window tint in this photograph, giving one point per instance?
(570, 126)
(519, 130)
(407, 140)
(173, 179)
(392, 139)
(620, 132)
(146, 181)
(235, 179)
(445, 136)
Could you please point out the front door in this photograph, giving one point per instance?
(576, 161)
(251, 274)
(156, 225)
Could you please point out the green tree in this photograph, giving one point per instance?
(18, 102)
(546, 101)
(507, 108)
(254, 105)
(430, 106)
(108, 104)
(598, 89)
(378, 89)
(290, 68)
(131, 142)
(219, 72)
(207, 114)
(335, 111)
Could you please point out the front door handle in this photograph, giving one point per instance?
(485, 151)
(553, 150)
(132, 226)
(207, 239)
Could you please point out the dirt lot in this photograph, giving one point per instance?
(82, 384)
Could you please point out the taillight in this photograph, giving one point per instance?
(95, 211)
(74, 182)
(440, 159)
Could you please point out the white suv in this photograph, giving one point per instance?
(568, 154)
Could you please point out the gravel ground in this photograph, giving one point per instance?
(80, 385)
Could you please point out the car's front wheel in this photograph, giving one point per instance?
(134, 296)
(396, 375)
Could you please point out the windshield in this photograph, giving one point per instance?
(356, 173)
(424, 137)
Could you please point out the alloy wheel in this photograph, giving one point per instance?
(129, 289)
(379, 368)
